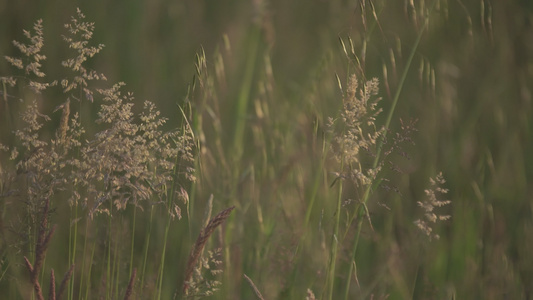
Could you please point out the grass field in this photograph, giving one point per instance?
(266, 149)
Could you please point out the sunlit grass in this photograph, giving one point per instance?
(326, 128)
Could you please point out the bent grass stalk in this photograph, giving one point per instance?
(360, 209)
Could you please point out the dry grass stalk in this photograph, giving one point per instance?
(256, 290)
(36, 284)
(356, 132)
(40, 251)
(52, 290)
(63, 125)
(198, 246)
(63, 284)
(129, 290)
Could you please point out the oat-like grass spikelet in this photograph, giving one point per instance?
(254, 287)
(200, 243)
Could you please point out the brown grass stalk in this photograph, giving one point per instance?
(64, 282)
(43, 239)
(129, 290)
(52, 290)
(198, 246)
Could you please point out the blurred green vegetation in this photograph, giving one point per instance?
(259, 108)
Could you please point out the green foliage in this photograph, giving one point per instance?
(324, 159)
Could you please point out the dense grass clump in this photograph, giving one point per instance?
(130, 160)
(291, 150)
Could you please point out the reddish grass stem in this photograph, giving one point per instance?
(198, 246)
(43, 239)
(129, 290)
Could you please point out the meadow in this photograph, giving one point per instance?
(266, 149)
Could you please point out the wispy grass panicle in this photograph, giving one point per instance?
(358, 132)
(38, 160)
(31, 61)
(30, 51)
(129, 160)
(79, 35)
(429, 204)
(355, 136)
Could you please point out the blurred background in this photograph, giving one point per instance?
(259, 110)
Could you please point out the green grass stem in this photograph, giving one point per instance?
(146, 248)
(73, 236)
(82, 271)
(359, 211)
(132, 245)
(245, 91)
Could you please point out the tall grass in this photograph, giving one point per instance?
(130, 161)
(386, 166)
